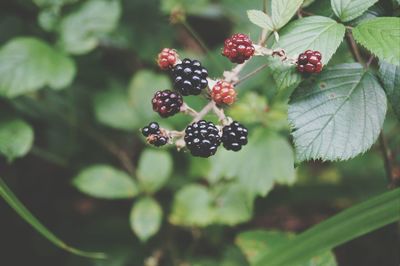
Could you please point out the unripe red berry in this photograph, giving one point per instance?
(238, 48)
(167, 58)
(223, 93)
(309, 62)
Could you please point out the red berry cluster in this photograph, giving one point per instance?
(309, 62)
(238, 48)
(167, 58)
(223, 93)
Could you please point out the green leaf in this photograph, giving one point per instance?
(28, 64)
(16, 138)
(314, 33)
(145, 218)
(381, 36)
(345, 226)
(234, 205)
(347, 10)
(80, 31)
(266, 159)
(192, 206)
(112, 108)
(283, 11)
(260, 19)
(339, 115)
(154, 169)
(390, 76)
(286, 76)
(103, 181)
(24, 213)
(141, 90)
(256, 242)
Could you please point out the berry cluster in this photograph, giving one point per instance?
(202, 138)
(309, 62)
(190, 77)
(155, 135)
(238, 48)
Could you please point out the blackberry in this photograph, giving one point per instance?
(167, 58)
(223, 93)
(234, 136)
(154, 135)
(202, 138)
(189, 77)
(238, 48)
(309, 62)
(167, 103)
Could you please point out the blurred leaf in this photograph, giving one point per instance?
(345, 226)
(321, 8)
(48, 19)
(251, 108)
(260, 19)
(16, 138)
(283, 11)
(103, 181)
(266, 159)
(390, 76)
(187, 6)
(286, 76)
(22, 211)
(314, 33)
(154, 169)
(257, 242)
(112, 108)
(234, 205)
(339, 115)
(145, 218)
(52, 3)
(192, 206)
(381, 36)
(141, 90)
(28, 64)
(81, 31)
(347, 10)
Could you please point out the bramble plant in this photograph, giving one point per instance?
(88, 86)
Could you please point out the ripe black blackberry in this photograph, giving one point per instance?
(154, 135)
(189, 77)
(202, 138)
(234, 136)
(167, 103)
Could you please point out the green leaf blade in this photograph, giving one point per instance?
(28, 64)
(315, 33)
(283, 10)
(145, 218)
(390, 77)
(260, 19)
(381, 36)
(347, 10)
(339, 115)
(103, 181)
(154, 169)
(347, 225)
(16, 138)
(24, 213)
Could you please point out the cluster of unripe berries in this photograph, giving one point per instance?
(202, 138)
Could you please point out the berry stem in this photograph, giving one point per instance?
(219, 112)
(206, 109)
(186, 109)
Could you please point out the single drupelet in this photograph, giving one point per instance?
(190, 77)
(154, 135)
(234, 136)
(202, 138)
(167, 103)
(223, 93)
(238, 48)
(309, 62)
(167, 58)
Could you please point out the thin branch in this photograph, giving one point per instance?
(386, 155)
(354, 48)
(252, 73)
